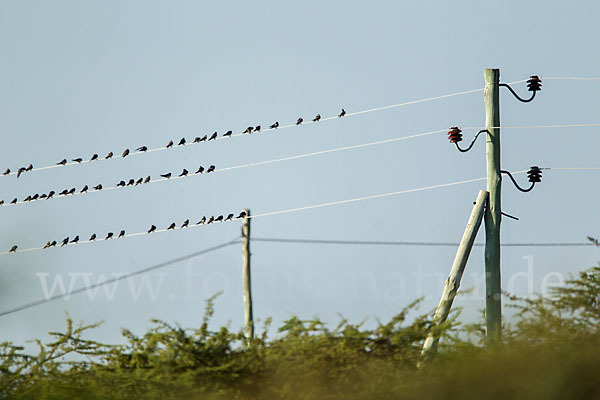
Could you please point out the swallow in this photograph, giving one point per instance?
(7, 171)
(35, 197)
(48, 244)
(185, 223)
(181, 142)
(29, 168)
(168, 175)
(152, 229)
(93, 237)
(184, 172)
(13, 249)
(200, 170)
(147, 179)
(143, 148)
(170, 144)
(248, 130)
(197, 139)
(122, 233)
(202, 221)
(275, 125)
(342, 113)
(210, 169)
(122, 183)
(71, 191)
(78, 160)
(242, 214)
(84, 189)
(228, 133)
(299, 121)
(109, 155)
(43, 196)
(94, 157)
(219, 218)
(212, 137)
(110, 234)
(229, 217)
(317, 118)
(20, 171)
(28, 198)
(1, 202)
(75, 239)
(64, 192)
(65, 242)
(98, 187)
(53, 243)
(139, 181)
(257, 128)
(14, 201)
(131, 182)
(172, 226)
(125, 153)
(210, 220)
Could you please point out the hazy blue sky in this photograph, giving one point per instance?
(78, 78)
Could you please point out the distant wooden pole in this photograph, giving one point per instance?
(246, 280)
(493, 304)
(453, 282)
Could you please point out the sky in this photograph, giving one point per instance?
(79, 78)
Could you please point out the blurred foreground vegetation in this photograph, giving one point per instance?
(551, 352)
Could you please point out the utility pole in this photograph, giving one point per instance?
(493, 305)
(246, 281)
(458, 267)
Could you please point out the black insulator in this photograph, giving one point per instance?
(534, 174)
(455, 135)
(534, 83)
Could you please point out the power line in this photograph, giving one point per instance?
(119, 278)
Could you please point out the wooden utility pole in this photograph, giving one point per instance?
(246, 281)
(493, 304)
(453, 282)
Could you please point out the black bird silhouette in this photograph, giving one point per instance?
(342, 113)
(122, 233)
(147, 179)
(257, 128)
(185, 223)
(109, 155)
(48, 244)
(212, 137)
(248, 130)
(51, 193)
(181, 142)
(20, 171)
(35, 196)
(139, 181)
(172, 226)
(65, 242)
(219, 218)
(94, 157)
(203, 139)
(77, 160)
(125, 153)
(143, 148)
(197, 139)
(202, 221)
(122, 183)
(210, 220)
(64, 192)
(242, 214)
(184, 172)
(93, 237)
(1, 202)
(200, 170)
(14, 201)
(85, 189)
(98, 187)
(275, 125)
(170, 144)
(299, 121)
(29, 168)
(75, 239)
(110, 234)
(7, 171)
(152, 229)
(13, 249)
(229, 217)
(167, 175)
(43, 196)
(210, 169)
(28, 198)
(228, 133)
(317, 118)
(53, 243)
(71, 191)
(131, 182)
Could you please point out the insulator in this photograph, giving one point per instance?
(534, 174)
(455, 135)
(534, 83)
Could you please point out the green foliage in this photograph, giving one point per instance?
(550, 352)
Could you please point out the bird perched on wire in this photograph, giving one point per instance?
(7, 171)
(75, 239)
(121, 184)
(65, 242)
(131, 182)
(299, 121)
(13, 249)
(85, 189)
(77, 160)
(139, 181)
(72, 191)
(35, 197)
(108, 236)
(203, 138)
(229, 217)
(213, 136)
(48, 244)
(14, 201)
(122, 233)
(172, 226)
(167, 175)
(42, 196)
(50, 194)
(275, 125)
(28, 198)
(98, 187)
(248, 130)
(64, 192)
(181, 142)
(170, 144)
(29, 168)
(257, 128)
(20, 171)
(228, 133)
(342, 113)
(242, 214)
(184, 172)
(143, 148)
(200, 170)
(152, 229)
(202, 221)
(1, 202)
(196, 139)
(125, 153)
(93, 237)
(94, 157)
(317, 118)
(147, 179)
(109, 155)
(210, 220)
(219, 218)
(210, 169)
(185, 223)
